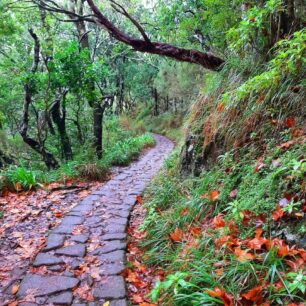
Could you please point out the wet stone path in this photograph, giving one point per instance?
(84, 256)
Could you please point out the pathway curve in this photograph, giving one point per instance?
(84, 256)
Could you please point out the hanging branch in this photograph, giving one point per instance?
(207, 60)
(145, 45)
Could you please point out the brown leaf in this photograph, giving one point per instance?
(243, 255)
(226, 298)
(289, 122)
(177, 235)
(139, 199)
(278, 213)
(254, 294)
(218, 222)
(233, 193)
(15, 289)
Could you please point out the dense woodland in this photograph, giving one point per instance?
(84, 83)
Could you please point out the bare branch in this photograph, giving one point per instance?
(120, 9)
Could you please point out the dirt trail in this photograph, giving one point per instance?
(83, 257)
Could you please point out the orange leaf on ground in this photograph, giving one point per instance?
(221, 293)
(218, 222)
(58, 214)
(243, 255)
(139, 199)
(220, 107)
(195, 231)
(15, 289)
(258, 241)
(254, 294)
(137, 298)
(278, 213)
(286, 145)
(212, 196)
(289, 122)
(177, 235)
(295, 133)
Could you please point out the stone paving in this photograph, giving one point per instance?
(92, 234)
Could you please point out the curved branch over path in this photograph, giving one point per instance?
(206, 60)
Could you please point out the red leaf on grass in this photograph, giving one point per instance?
(255, 294)
(221, 293)
(286, 145)
(212, 196)
(289, 122)
(259, 165)
(258, 241)
(139, 199)
(278, 213)
(177, 235)
(218, 222)
(243, 255)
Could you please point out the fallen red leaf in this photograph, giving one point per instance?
(295, 133)
(226, 298)
(278, 213)
(218, 222)
(139, 199)
(286, 145)
(289, 122)
(212, 196)
(243, 255)
(177, 235)
(254, 295)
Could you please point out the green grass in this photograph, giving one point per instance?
(121, 146)
(190, 268)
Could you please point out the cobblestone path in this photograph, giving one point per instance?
(85, 255)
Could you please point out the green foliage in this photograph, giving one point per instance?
(288, 63)
(21, 178)
(257, 192)
(253, 29)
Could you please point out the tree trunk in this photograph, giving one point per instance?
(60, 121)
(155, 94)
(98, 112)
(38, 146)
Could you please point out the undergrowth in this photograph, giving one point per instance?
(236, 235)
(121, 147)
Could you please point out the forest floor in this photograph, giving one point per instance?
(67, 246)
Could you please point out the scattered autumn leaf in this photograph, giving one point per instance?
(15, 289)
(254, 294)
(278, 213)
(218, 222)
(139, 199)
(295, 133)
(233, 193)
(58, 214)
(226, 298)
(243, 255)
(289, 122)
(287, 144)
(177, 235)
(212, 196)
